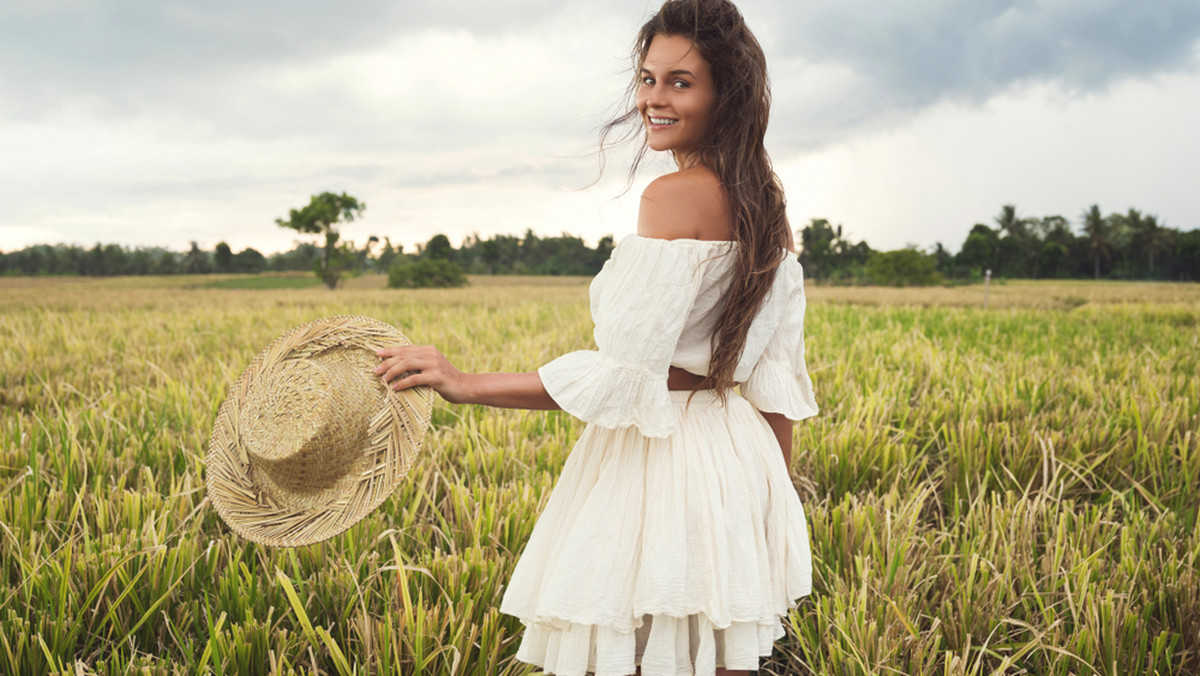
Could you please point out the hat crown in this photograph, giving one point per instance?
(299, 421)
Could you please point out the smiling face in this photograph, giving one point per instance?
(675, 97)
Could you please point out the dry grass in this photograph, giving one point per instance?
(1041, 295)
(1005, 491)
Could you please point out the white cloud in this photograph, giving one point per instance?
(1046, 152)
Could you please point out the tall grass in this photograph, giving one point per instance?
(990, 492)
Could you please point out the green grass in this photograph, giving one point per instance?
(1010, 491)
(261, 282)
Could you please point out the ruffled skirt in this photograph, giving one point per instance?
(678, 555)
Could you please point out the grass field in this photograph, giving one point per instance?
(1001, 491)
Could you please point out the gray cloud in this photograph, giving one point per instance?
(118, 102)
(913, 53)
(116, 57)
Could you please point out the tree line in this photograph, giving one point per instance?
(105, 260)
(496, 255)
(1129, 245)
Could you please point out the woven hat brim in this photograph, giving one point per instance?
(395, 436)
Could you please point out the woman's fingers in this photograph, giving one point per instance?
(390, 368)
(411, 380)
(405, 350)
(397, 355)
(404, 366)
(394, 370)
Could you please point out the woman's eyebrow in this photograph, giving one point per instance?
(678, 71)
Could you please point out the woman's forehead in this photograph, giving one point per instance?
(674, 52)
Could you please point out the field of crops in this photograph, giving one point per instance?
(1001, 491)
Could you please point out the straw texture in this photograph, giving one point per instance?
(309, 440)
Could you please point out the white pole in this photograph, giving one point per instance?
(987, 281)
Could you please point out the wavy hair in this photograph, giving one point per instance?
(734, 150)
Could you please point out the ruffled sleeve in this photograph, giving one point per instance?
(779, 382)
(640, 303)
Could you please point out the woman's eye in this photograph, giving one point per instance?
(648, 81)
(680, 84)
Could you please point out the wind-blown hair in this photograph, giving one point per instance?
(734, 150)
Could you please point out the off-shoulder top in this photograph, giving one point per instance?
(655, 305)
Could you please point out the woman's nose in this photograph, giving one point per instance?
(656, 97)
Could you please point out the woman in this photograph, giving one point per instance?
(674, 541)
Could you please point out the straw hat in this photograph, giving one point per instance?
(309, 439)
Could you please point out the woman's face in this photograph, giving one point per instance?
(675, 97)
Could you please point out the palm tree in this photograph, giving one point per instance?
(1009, 223)
(1016, 230)
(1054, 232)
(1153, 238)
(1130, 228)
(1096, 229)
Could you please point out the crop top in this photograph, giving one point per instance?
(655, 305)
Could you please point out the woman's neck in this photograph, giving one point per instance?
(688, 159)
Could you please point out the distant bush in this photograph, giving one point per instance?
(905, 267)
(428, 272)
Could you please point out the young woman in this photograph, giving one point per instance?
(674, 540)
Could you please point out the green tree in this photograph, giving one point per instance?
(321, 217)
(1096, 229)
(904, 267)
(979, 251)
(223, 257)
(438, 249)
(426, 272)
(248, 260)
(1122, 229)
(944, 259)
(1056, 244)
(387, 256)
(140, 261)
(1152, 237)
(167, 263)
(368, 252)
(1054, 229)
(827, 255)
(1185, 254)
(818, 248)
(302, 257)
(1018, 245)
(195, 261)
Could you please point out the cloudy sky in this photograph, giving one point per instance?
(907, 121)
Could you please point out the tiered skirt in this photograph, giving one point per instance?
(679, 555)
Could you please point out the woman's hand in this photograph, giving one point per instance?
(424, 365)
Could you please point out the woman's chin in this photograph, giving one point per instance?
(657, 143)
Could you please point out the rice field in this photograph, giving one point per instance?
(1001, 491)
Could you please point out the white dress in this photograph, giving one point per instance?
(674, 539)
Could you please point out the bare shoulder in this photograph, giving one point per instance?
(689, 204)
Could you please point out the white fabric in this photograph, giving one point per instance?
(655, 304)
(679, 554)
(779, 382)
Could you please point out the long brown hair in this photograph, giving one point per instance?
(734, 150)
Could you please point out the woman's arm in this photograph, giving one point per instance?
(430, 367)
(782, 427)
